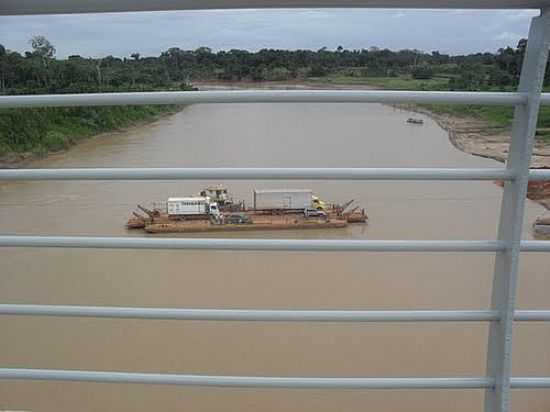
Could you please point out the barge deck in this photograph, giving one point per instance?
(206, 226)
(214, 211)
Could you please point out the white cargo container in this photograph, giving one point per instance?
(286, 199)
(188, 206)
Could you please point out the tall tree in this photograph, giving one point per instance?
(42, 47)
(2, 68)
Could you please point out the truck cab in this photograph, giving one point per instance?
(214, 210)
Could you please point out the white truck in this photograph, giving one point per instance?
(283, 199)
(192, 207)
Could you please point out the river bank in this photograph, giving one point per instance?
(478, 138)
(31, 134)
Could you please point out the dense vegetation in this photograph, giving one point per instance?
(38, 71)
(48, 129)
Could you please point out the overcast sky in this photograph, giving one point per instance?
(149, 33)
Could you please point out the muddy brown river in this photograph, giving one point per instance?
(263, 135)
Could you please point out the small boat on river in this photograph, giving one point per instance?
(413, 120)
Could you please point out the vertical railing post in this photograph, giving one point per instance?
(512, 214)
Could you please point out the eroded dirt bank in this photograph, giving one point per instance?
(478, 138)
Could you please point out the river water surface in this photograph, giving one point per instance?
(263, 135)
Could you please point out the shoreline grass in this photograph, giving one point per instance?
(38, 131)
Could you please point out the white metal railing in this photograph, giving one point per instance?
(289, 245)
(507, 246)
(263, 174)
(259, 381)
(264, 96)
(271, 315)
(11, 7)
(268, 381)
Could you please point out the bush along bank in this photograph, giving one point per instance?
(30, 133)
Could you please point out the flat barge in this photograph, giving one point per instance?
(206, 226)
(213, 211)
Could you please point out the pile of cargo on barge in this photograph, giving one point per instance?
(213, 210)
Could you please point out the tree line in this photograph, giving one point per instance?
(39, 71)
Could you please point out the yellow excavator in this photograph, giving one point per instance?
(318, 203)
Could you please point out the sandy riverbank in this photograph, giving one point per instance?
(476, 137)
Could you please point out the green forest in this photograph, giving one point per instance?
(38, 71)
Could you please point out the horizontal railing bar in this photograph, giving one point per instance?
(256, 174)
(545, 98)
(313, 245)
(252, 244)
(530, 383)
(266, 382)
(256, 315)
(539, 175)
(18, 7)
(246, 381)
(262, 96)
(532, 315)
(267, 174)
(252, 315)
(535, 246)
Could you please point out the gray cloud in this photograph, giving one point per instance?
(148, 33)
